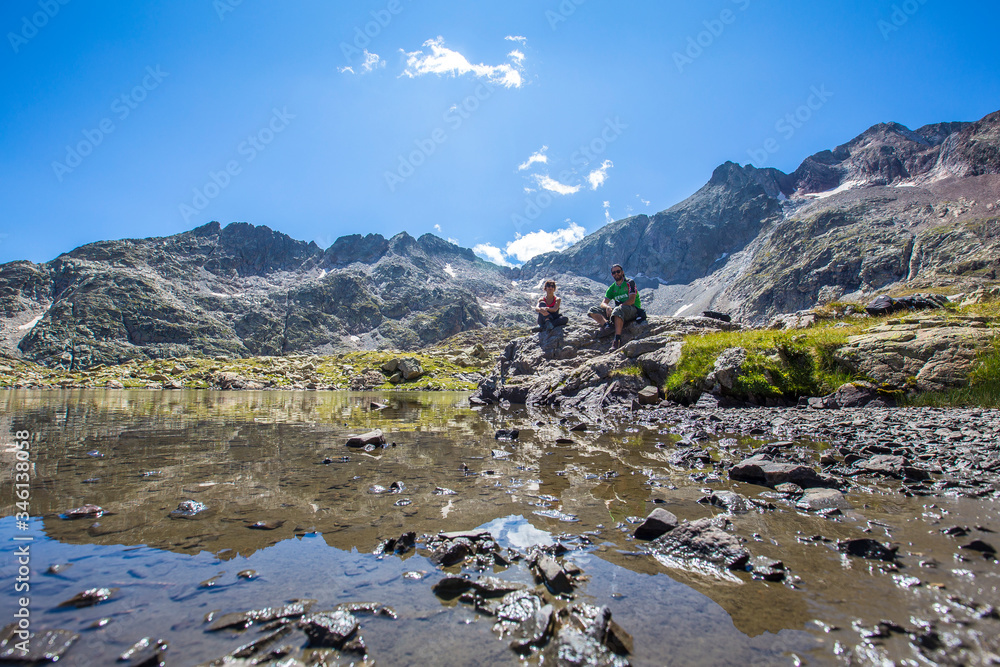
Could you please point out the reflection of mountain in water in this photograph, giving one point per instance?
(259, 457)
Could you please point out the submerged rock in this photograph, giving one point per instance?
(89, 597)
(702, 540)
(244, 619)
(866, 547)
(146, 652)
(370, 438)
(44, 645)
(188, 509)
(84, 512)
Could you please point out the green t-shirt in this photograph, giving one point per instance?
(622, 292)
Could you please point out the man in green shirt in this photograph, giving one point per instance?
(623, 293)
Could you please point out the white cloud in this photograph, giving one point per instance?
(597, 177)
(372, 62)
(442, 60)
(515, 38)
(607, 212)
(453, 241)
(437, 228)
(516, 56)
(523, 248)
(491, 252)
(552, 185)
(537, 156)
(645, 202)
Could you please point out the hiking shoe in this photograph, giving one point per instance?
(550, 325)
(616, 343)
(605, 329)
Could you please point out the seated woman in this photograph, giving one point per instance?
(548, 308)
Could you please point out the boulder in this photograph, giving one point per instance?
(761, 470)
(661, 362)
(726, 370)
(705, 541)
(375, 437)
(409, 368)
(649, 395)
(658, 522)
(816, 500)
(927, 354)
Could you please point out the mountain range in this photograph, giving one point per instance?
(892, 210)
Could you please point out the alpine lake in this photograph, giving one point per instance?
(211, 503)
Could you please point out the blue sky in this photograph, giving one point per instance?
(320, 119)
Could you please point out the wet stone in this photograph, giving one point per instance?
(442, 491)
(761, 470)
(548, 570)
(702, 540)
(536, 630)
(985, 548)
(398, 545)
(244, 619)
(816, 500)
(373, 608)
(865, 547)
(89, 597)
(658, 522)
(452, 553)
(262, 644)
(515, 608)
(730, 501)
(767, 569)
(507, 434)
(188, 509)
(374, 438)
(83, 512)
(789, 489)
(266, 525)
(331, 629)
(146, 652)
(45, 645)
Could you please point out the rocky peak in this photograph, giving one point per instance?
(356, 248)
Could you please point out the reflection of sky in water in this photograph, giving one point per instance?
(516, 532)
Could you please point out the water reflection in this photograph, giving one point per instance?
(286, 498)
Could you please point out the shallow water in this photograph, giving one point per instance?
(259, 456)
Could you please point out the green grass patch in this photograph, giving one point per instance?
(779, 364)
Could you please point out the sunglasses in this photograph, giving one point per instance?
(616, 272)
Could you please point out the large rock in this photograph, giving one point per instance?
(703, 540)
(658, 522)
(661, 362)
(761, 470)
(726, 370)
(928, 354)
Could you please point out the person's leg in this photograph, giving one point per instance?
(597, 313)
